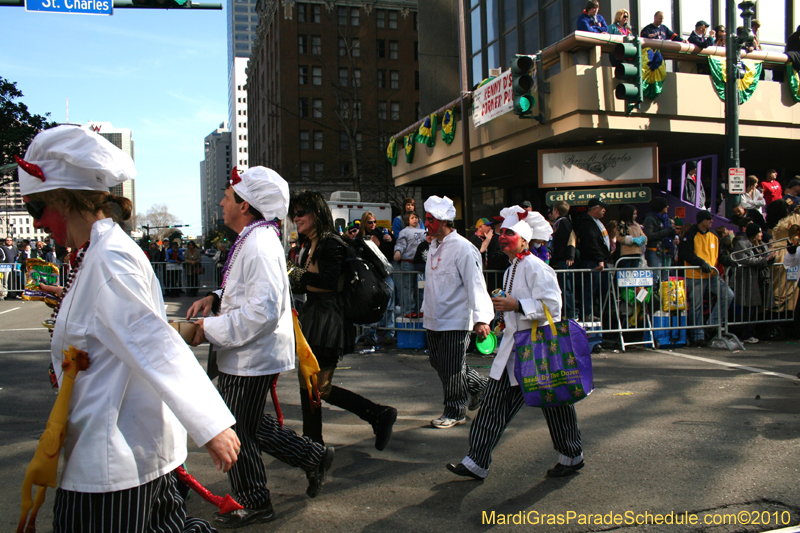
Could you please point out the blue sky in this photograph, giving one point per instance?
(161, 73)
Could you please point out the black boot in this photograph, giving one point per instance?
(312, 419)
(380, 417)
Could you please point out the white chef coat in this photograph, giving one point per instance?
(129, 412)
(254, 332)
(791, 260)
(455, 291)
(534, 282)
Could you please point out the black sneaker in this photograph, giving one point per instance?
(563, 470)
(316, 478)
(244, 517)
(383, 427)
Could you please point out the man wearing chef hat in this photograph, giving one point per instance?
(253, 334)
(456, 302)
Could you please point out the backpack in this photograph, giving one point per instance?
(365, 292)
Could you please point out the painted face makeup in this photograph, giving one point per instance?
(509, 240)
(54, 223)
(431, 224)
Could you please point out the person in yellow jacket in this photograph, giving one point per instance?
(700, 247)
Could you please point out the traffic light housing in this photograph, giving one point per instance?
(521, 85)
(163, 4)
(629, 71)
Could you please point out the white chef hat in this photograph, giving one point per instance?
(528, 225)
(440, 208)
(264, 189)
(72, 157)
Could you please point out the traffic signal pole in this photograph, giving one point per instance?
(466, 96)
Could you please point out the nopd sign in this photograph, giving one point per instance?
(80, 7)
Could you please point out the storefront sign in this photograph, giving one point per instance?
(493, 99)
(581, 167)
(635, 195)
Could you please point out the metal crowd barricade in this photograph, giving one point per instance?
(209, 278)
(778, 294)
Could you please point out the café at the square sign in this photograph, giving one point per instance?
(617, 195)
(597, 166)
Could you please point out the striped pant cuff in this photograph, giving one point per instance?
(475, 469)
(569, 461)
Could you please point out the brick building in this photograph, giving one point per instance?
(328, 83)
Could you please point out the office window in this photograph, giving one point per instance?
(357, 77)
(552, 24)
(356, 48)
(316, 45)
(304, 107)
(380, 17)
(394, 79)
(317, 108)
(395, 110)
(342, 77)
(301, 12)
(530, 36)
(344, 168)
(416, 51)
(382, 110)
(305, 170)
(342, 16)
(393, 53)
(316, 13)
(303, 75)
(381, 48)
(317, 140)
(342, 47)
(316, 75)
(302, 44)
(392, 19)
(319, 169)
(354, 14)
(381, 79)
(304, 139)
(358, 141)
(344, 109)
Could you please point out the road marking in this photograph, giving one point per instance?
(25, 351)
(25, 329)
(731, 365)
(9, 310)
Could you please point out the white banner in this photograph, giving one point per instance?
(598, 166)
(493, 99)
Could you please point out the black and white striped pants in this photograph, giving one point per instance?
(153, 507)
(246, 397)
(500, 403)
(448, 355)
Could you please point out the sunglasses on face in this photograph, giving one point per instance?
(353, 231)
(35, 209)
(370, 222)
(507, 232)
(300, 213)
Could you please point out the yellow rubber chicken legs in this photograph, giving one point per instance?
(43, 468)
(309, 366)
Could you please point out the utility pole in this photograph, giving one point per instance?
(733, 73)
(466, 97)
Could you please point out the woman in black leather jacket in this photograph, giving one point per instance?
(318, 274)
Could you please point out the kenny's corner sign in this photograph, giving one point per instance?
(588, 167)
(493, 99)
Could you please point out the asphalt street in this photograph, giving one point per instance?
(690, 434)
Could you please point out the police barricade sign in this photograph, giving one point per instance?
(635, 278)
(792, 273)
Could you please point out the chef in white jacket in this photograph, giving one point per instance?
(456, 302)
(528, 284)
(254, 338)
(130, 410)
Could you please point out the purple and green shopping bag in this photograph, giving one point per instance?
(554, 363)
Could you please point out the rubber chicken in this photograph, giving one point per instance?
(43, 468)
(309, 366)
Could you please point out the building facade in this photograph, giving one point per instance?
(215, 170)
(329, 82)
(242, 23)
(122, 138)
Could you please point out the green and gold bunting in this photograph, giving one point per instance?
(747, 85)
(448, 126)
(408, 140)
(391, 152)
(426, 134)
(792, 77)
(653, 72)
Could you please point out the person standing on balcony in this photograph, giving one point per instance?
(658, 30)
(698, 36)
(456, 302)
(752, 198)
(590, 20)
(620, 26)
(755, 25)
(792, 193)
(721, 33)
(771, 187)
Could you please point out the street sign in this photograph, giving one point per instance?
(736, 181)
(78, 7)
(493, 99)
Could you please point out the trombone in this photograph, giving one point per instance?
(792, 240)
